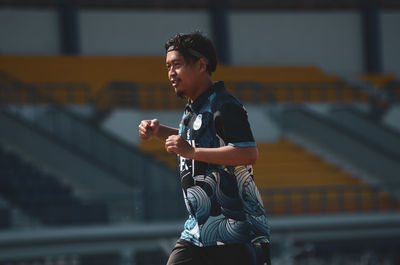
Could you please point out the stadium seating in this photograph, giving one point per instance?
(41, 196)
(294, 181)
(88, 79)
(141, 82)
(385, 82)
(156, 148)
(5, 218)
(378, 80)
(297, 181)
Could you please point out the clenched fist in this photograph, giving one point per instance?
(148, 129)
(176, 144)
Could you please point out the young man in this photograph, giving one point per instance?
(216, 149)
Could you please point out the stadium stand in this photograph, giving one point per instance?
(284, 164)
(5, 214)
(42, 196)
(14, 91)
(393, 87)
(97, 165)
(387, 83)
(339, 218)
(392, 118)
(109, 82)
(294, 181)
(378, 80)
(378, 135)
(156, 148)
(117, 82)
(5, 218)
(343, 146)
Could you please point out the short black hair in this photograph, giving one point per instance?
(194, 46)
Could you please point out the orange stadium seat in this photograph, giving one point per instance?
(83, 79)
(284, 166)
(378, 80)
(310, 182)
(156, 148)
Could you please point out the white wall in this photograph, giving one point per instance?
(332, 41)
(25, 31)
(136, 32)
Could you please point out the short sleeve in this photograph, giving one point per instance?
(232, 125)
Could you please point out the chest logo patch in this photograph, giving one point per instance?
(197, 122)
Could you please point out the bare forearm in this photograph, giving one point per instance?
(227, 155)
(165, 131)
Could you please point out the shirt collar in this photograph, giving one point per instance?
(200, 100)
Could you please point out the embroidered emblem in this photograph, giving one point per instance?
(197, 122)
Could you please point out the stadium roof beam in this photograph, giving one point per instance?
(203, 4)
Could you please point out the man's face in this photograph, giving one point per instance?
(181, 74)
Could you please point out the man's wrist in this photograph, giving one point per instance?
(194, 153)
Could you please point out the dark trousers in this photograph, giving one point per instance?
(186, 253)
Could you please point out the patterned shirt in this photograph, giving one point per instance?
(223, 202)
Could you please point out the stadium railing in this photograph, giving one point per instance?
(326, 199)
(385, 82)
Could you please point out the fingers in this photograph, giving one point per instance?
(143, 130)
(171, 144)
(147, 128)
(176, 144)
(154, 123)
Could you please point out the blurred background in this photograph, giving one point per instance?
(320, 81)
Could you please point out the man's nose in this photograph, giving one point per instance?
(172, 71)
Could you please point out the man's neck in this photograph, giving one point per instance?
(204, 86)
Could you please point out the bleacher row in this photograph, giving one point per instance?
(160, 96)
(291, 179)
(42, 196)
(141, 82)
(294, 181)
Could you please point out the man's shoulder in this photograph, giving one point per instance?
(223, 96)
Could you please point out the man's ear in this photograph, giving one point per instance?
(202, 65)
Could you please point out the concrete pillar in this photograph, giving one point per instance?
(371, 36)
(220, 29)
(68, 27)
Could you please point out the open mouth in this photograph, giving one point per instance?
(174, 82)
